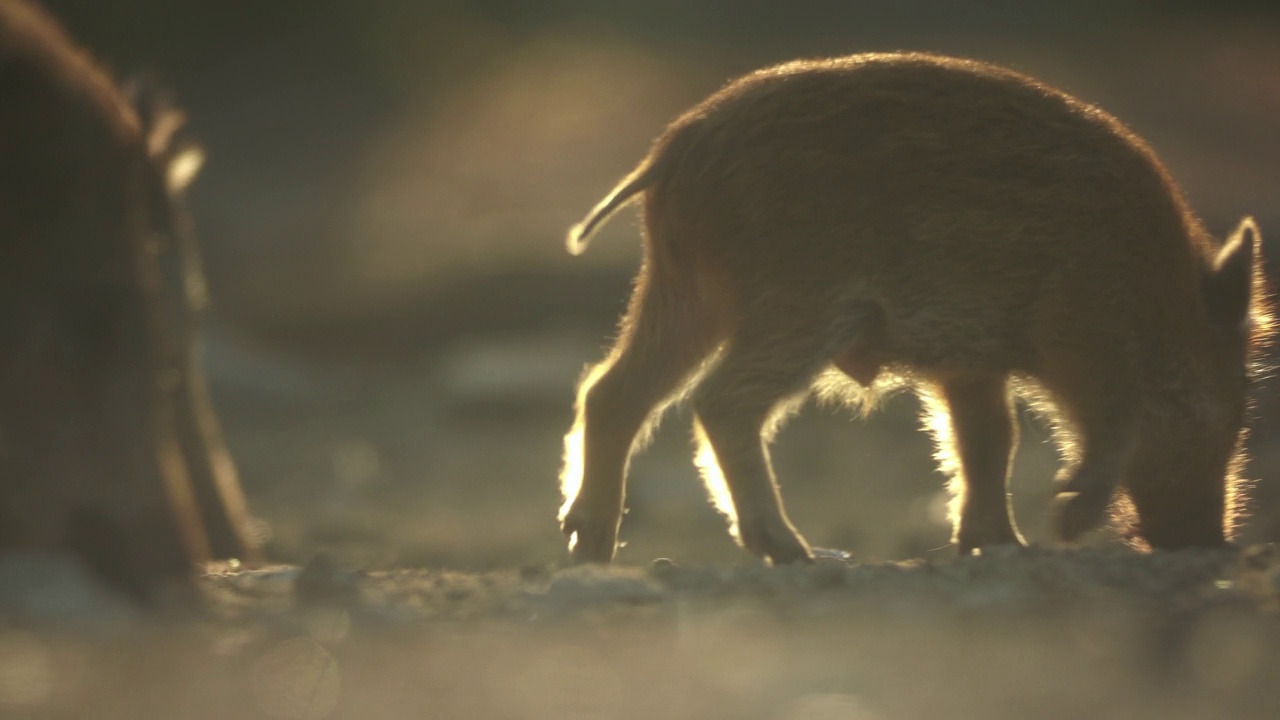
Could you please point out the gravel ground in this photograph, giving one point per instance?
(1039, 633)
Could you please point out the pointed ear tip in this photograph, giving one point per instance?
(1249, 226)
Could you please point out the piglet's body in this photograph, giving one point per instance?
(901, 220)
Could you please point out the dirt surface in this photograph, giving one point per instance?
(1035, 633)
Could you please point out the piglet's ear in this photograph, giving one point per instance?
(1229, 287)
(176, 155)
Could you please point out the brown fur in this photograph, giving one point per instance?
(939, 224)
(99, 386)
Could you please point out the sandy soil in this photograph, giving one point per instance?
(1015, 634)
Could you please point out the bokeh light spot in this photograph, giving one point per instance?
(328, 625)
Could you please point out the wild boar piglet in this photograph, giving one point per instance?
(856, 225)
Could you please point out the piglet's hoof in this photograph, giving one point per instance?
(778, 545)
(590, 541)
(994, 535)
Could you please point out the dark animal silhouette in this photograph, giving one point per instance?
(882, 221)
(104, 416)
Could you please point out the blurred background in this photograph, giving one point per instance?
(397, 330)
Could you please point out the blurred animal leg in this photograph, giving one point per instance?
(213, 469)
(665, 335)
(1103, 412)
(738, 405)
(984, 436)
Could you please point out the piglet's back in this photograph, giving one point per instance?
(920, 148)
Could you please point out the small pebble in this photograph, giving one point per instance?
(663, 568)
(321, 579)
